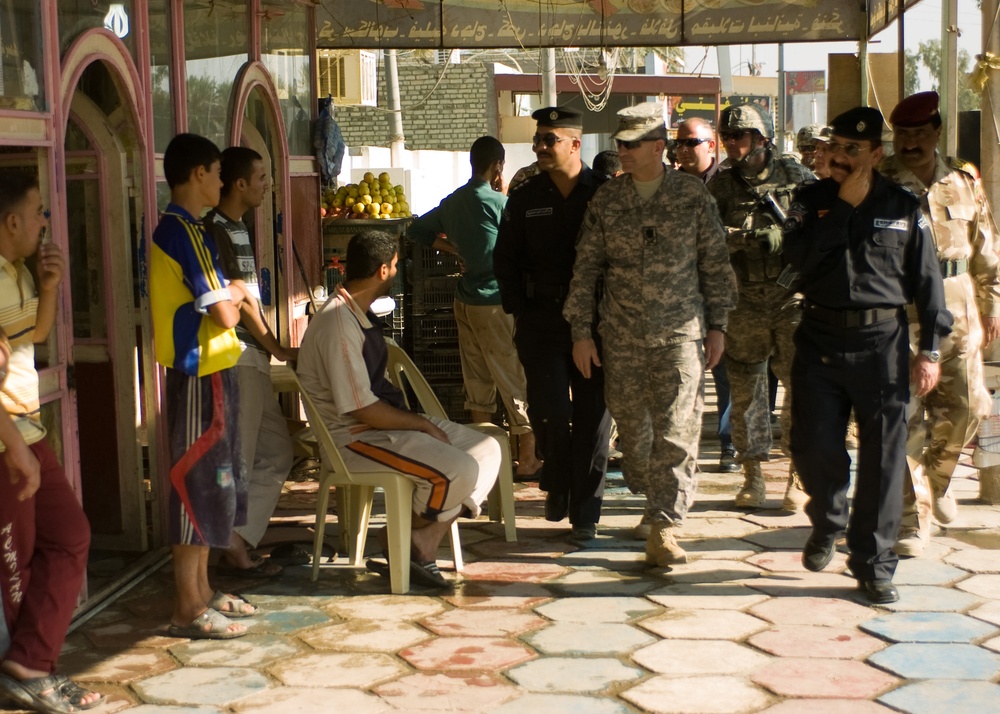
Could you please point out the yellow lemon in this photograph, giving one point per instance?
(386, 208)
(358, 207)
(366, 199)
(373, 209)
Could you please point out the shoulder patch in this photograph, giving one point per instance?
(964, 166)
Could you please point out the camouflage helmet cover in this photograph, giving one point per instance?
(747, 116)
(808, 135)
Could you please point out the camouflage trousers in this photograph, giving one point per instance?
(944, 421)
(760, 329)
(657, 395)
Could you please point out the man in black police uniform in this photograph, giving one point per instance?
(533, 262)
(863, 251)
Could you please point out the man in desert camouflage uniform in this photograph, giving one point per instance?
(965, 235)
(656, 237)
(767, 313)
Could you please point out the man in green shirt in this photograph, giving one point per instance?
(466, 224)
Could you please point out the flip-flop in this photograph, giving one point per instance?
(218, 627)
(291, 554)
(428, 575)
(60, 694)
(220, 600)
(261, 568)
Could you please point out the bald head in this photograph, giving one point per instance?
(695, 145)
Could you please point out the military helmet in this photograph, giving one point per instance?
(747, 116)
(808, 135)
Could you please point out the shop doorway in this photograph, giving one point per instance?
(104, 196)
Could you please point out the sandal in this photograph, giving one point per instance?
(218, 627)
(426, 574)
(54, 694)
(261, 568)
(291, 554)
(231, 606)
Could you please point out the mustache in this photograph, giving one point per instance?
(837, 165)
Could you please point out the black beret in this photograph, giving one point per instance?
(558, 117)
(859, 123)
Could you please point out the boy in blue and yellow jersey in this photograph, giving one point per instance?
(194, 313)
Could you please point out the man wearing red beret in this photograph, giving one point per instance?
(965, 236)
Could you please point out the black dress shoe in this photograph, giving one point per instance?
(556, 506)
(818, 553)
(879, 591)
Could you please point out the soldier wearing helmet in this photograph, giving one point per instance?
(805, 142)
(766, 315)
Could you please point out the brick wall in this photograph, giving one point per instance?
(461, 109)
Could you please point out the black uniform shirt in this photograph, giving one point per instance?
(877, 255)
(537, 238)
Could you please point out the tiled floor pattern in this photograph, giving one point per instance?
(545, 626)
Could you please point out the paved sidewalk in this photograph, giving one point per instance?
(544, 626)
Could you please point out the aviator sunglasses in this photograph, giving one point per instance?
(549, 140)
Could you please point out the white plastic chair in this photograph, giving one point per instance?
(401, 367)
(355, 494)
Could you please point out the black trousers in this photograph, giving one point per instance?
(867, 369)
(571, 432)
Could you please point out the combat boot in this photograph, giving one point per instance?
(642, 529)
(662, 548)
(945, 507)
(795, 495)
(754, 491)
(912, 541)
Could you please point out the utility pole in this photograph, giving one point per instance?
(779, 119)
(395, 116)
(548, 77)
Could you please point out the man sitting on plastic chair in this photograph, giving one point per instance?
(342, 366)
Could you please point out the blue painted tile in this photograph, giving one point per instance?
(287, 619)
(928, 627)
(921, 571)
(938, 661)
(930, 598)
(944, 696)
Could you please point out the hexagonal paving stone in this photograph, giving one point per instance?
(714, 571)
(812, 611)
(158, 709)
(776, 518)
(481, 595)
(716, 528)
(597, 609)
(398, 608)
(285, 620)
(698, 657)
(780, 538)
(482, 623)
(703, 624)
(572, 674)
(132, 633)
(993, 644)
(931, 598)
(91, 665)
(928, 627)
(720, 549)
(790, 561)
(944, 696)
(466, 653)
(512, 571)
(249, 651)
(975, 560)
(707, 596)
(988, 611)
(548, 703)
(587, 639)
(214, 685)
(309, 701)
(816, 641)
(920, 571)
(987, 586)
(804, 583)
(826, 706)
(603, 557)
(600, 582)
(696, 695)
(938, 661)
(337, 670)
(823, 678)
(448, 692)
(366, 635)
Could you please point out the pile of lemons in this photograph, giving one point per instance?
(372, 197)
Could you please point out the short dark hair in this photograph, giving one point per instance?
(369, 251)
(184, 154)
(607, 163)
(485, 150)
(237, 163)
(14, 187)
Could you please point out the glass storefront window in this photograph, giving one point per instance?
(285, 53)
(216, 42)
(78, 16)
(160, 57)
(22, 73)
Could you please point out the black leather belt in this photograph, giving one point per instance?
(547, 291)
(951, 268)
(849, 318)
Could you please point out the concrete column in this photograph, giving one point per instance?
(395, 114)
(990, 109)
(549, 77)
(948, 81)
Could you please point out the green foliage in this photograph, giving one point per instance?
(928, 54)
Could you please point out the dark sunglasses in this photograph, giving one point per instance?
(689, 143)
(852, 150)
(734, 135)
(631, 145)
(549, 140)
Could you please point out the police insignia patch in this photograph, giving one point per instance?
(793, 219)
(860, 126)
(553, 115)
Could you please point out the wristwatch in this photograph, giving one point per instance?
(719, 328)
(931, 355)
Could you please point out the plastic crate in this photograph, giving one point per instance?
(439, 363)
(433, 329)
(428, 263)
(452, 398)
(434, 294)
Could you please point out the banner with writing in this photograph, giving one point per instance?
(449, 24)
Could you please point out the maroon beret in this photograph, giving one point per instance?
(916, 110)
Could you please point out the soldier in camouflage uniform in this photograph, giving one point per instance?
(965, 235)
(656, 237)
(767, 314)
(805, 142)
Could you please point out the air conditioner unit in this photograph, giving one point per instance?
(349, 76)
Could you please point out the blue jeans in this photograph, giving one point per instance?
(722, 393)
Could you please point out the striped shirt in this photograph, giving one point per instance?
(18, 310)
(238, 262)
(185, 279)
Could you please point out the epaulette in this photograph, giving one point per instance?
(966, 167)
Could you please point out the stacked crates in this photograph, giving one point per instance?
(431, 330)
